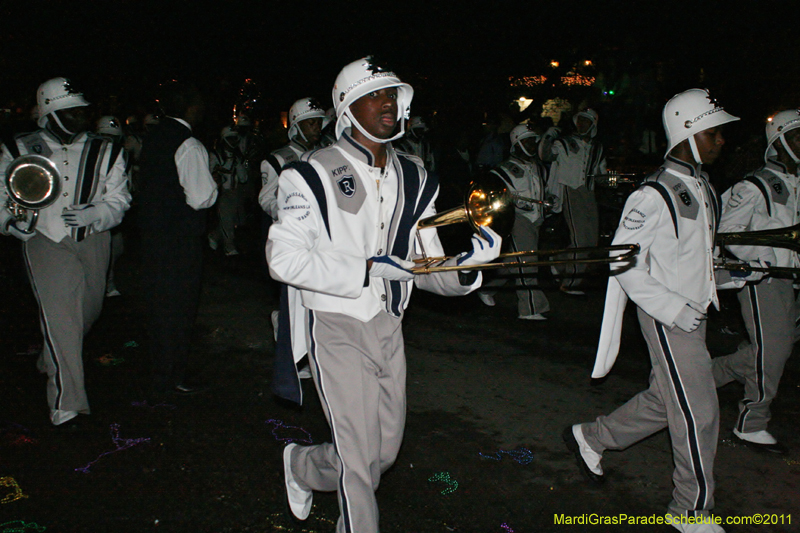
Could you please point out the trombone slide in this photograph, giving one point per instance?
(628, 251)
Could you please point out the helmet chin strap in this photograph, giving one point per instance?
(695, 151)
(524, 151)
(368, 135)
(57, 128)
(789, 150)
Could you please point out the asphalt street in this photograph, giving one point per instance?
(488, 398)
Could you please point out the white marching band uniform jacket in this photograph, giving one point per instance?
(574, 159)
(526, 178)
(330, 225)
(92, 171)
(765, 199)
(672, 217)
(270, 170)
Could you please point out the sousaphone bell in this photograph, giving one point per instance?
(32, 183)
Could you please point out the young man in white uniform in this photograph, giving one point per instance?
(305, 125)
(344, 242)
(672, 217)
(229, 170)
(67, 254)
(575, 158)
(525, 175)
(765, 199)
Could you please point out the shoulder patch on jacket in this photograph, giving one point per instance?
(35, 144)
(771, 187)
(349, 191)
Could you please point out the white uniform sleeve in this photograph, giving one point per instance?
(5, 214)
(644, 213)
(268, 197)
(191, 158)
(739, 203)
(296, 251)
(115, 198)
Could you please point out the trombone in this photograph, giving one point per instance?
(788, 237)
(489, 202)
(614, 179)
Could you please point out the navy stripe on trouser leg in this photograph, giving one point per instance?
(580, 212)
(757, 344)
(682, 396)
(68, 279)
(768, 312)
(359, 370)
(524, 237)
(693, 413)
(55, 387)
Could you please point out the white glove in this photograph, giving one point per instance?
(690, 317)
(391, 267)
(750, 275)
(79, 216)
(13, 228)
(485, 248)
(524, 205)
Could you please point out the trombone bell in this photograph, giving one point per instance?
(488, 202)
(788, 237)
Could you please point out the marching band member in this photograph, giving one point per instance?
(765, 199)
(525, 175)
(672, 217)
(575, 158)
(305, 125)
(67, 255)
(344, 242)
(229, 170)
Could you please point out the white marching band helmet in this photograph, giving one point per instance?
(519, 134)
(109, 125)
(303, 109)
(691, 112)
(592, 116)
(417, 123)
(359, 78)
(54, 95)
(230, 136)
(777, 128)
(243, 121)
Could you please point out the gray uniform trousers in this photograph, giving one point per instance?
(580, 213)
(530, 300)
(360, 373)
(69, 281)
(768, 309)
(683, 398)
(228, 209)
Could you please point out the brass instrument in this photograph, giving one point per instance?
(788, 237)
(32, 183)
(490, 203)
(614, 179)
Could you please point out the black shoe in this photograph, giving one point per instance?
(187, 388)
(71, 426)
(777, 448)
(572, 445)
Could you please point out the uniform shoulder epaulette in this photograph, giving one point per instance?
(411, 157)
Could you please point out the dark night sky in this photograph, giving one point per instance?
(296, 48)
